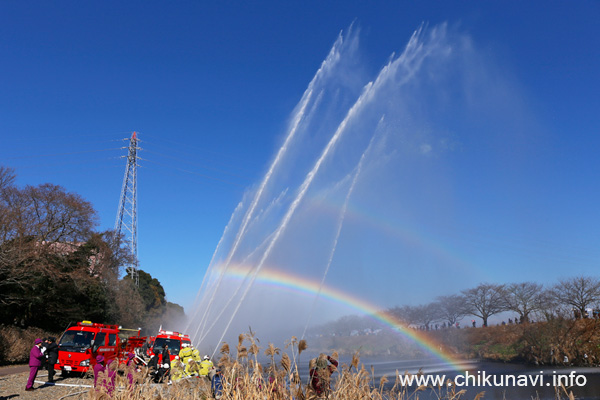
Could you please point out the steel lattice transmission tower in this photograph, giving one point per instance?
(126, 222)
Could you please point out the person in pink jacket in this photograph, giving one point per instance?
(35, 363)
(111, 375)
(98, 368)
(131, 369)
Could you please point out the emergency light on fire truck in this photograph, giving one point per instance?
(163, 332)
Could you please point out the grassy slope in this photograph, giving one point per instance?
(545, 343)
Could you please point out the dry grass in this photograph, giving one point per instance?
(542, 343)
(16, 343)
(245, 378)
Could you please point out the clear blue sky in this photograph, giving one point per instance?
(210, 87)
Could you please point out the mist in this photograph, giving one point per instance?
(382, 192)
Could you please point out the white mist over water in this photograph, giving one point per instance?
(369, 193)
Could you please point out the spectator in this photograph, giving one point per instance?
(35, 362)
(216, 383)
(98, 368)
(52, 354)
(320, 375)
(111, 376)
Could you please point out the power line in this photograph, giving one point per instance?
(219, 156)
(88, 162)
(194, 173)
(187, 177)
(193, 164)
(221, 162)
(63, 154)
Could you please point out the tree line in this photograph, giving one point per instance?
(570, 298)
(56, 268)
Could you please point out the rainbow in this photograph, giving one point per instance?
(298, 284)
(405, 233)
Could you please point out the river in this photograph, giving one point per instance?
(497, 380)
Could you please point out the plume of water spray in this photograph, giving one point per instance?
(205, 279)
(270, 224)
(327, 65)
(340, 224)
(410, 60)
(216, 319)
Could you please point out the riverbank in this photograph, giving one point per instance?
(559, 342)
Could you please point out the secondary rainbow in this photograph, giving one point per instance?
(410, 235)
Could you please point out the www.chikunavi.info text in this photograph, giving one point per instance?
(483, 379)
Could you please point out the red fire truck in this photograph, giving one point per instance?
(80, 344)
(173, 340)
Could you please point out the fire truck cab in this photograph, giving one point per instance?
(80, 344)
(173, 340)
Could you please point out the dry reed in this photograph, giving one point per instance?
(244, 378)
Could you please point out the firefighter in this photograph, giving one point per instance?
(191, 368)
(185, 354)
(166, 355)
(205, 366)
(162, 375)
(177, 370)
(196, 355)
(153, 365)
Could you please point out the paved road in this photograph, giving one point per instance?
(13, 369)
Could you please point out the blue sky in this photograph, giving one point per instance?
(210, 87)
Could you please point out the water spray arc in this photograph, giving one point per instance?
(332, 58)
(362, 100)
(337, 145)
(340, 224)
(126, 221)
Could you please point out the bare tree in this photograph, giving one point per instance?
(406, 314)
(54, 268)
(7, 177)
(551, 308)
(452, 308)
(524, 298)
(485, 300)
(41, 233)
(578, 293)
(426, 314)
(422, 315)
(54, 215)
(128, 304)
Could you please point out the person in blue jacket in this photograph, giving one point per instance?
(216, 384)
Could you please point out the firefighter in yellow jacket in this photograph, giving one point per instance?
(185, 353)
(191, 368)
(177, 369)
(205, 366)
(196, 355)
